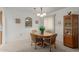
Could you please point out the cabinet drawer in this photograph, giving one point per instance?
(69, 45)
(68, 39)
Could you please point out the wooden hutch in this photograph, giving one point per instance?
(71, 30)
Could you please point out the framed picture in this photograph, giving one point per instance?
(17, 20)
(28, 22)
(36, 21)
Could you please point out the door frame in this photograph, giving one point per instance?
(3, 26)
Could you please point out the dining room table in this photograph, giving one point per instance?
(43, 36)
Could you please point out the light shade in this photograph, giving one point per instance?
(38, 14)
(41, 15)
(44, 14)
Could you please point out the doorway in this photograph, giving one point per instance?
(0, 27)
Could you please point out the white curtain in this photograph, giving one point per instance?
(49, 23)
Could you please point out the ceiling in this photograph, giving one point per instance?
(31, 9)
(49, 9)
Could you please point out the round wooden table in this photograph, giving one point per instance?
(46, 34)
(42, 36)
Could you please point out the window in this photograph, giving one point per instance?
(49, 23)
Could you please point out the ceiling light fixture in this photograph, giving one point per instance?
(41, 14)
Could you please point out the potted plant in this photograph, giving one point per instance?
(42, 28)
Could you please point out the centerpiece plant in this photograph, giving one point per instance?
(42, 28)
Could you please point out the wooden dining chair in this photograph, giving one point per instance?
(35, 40)
(51, 41)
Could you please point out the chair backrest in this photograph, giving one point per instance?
(53, 39)
(34, 31)
(33, 37)
(49, 31)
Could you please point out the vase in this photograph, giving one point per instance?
(42, 32)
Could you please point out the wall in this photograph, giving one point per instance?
(59, 21)
(18, 31)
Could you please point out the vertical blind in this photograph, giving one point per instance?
(49, 23)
